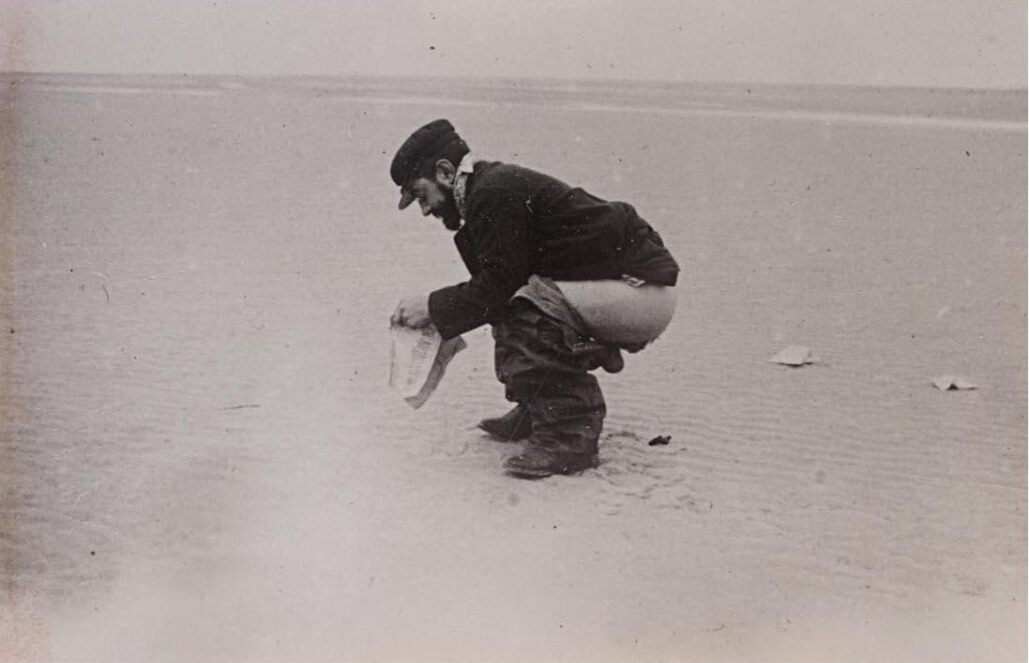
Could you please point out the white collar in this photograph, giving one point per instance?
(464, 169)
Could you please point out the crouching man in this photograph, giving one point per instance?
(566, 280)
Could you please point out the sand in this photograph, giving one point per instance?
(200, 458)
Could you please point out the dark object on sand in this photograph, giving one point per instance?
(660, 440)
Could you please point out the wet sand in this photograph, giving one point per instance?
(200, 459)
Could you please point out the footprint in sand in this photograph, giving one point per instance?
(633, 471)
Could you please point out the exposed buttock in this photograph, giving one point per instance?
(618, 312)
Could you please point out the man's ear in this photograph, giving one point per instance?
(445, 172)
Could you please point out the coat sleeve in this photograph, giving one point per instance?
(498, 229)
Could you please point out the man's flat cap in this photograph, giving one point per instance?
(426, 143)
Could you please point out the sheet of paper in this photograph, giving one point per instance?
(794, 355)
(953, 383)
(418, 361)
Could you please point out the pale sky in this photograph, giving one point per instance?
(950, 43)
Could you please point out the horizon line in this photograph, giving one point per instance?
(545, 80)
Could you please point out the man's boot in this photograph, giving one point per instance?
(567, 417)
(539, 463)
(514, 426)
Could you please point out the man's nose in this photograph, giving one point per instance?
(426, 210)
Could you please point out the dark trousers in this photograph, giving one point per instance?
(544, 365)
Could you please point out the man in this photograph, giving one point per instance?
(564, 278)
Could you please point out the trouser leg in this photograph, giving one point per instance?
(538, 364)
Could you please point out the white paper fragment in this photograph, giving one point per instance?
(952, 383)
(794, 355)
(418, 360)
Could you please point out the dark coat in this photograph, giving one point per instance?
(519, 222)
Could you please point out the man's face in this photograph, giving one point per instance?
(438, 200)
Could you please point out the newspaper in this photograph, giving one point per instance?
(418, 359)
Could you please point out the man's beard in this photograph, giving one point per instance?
(449, 215)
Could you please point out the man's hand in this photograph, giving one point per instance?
(412, 312)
